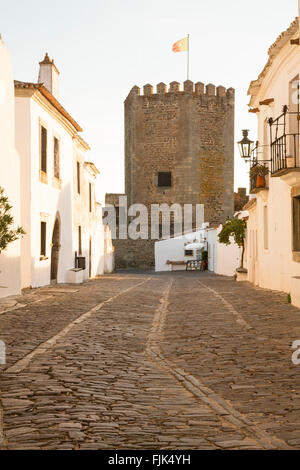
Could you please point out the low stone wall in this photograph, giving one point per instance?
(134, 253)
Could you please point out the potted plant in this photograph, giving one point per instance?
(259, 173)
(290, 161)
(235, 228)
(204, 261)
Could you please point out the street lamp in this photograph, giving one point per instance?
(246, 146)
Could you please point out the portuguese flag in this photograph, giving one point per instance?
(181, 46)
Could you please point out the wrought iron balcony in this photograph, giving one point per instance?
(285, 153)
(285, 132)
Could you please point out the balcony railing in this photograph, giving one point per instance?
(285, 153)
(284, 145)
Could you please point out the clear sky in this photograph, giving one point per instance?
(104, 47)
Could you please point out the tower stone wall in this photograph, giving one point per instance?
(187, 133)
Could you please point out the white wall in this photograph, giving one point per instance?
(23, 146)
(109, 258)
(46, 199)
(98, 243)
(273, 266)
(173, 250)
(43, 201)
(222, 259)
(10, 271)
(168, 250)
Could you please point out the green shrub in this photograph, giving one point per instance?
(8, 234)
(258, 170)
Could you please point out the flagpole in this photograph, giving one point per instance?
(188, 58)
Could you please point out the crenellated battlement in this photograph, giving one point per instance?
(188, 87)
(179, 148)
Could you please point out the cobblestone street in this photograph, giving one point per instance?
(145, 361)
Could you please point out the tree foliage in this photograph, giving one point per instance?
(235, 228)
(8, 234)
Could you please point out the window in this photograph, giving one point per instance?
(90, 197)
(78, 177)
(188, 252)
(117, 209)
(79, 241)
(56, 158)
(164, 179)
(296, 223)
(43, 239)
(266, 228)
(43, 149)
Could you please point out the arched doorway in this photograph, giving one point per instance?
(55, 249)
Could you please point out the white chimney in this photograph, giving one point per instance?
(48, 75)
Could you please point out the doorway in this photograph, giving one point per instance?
(90, 257)
(55, 250)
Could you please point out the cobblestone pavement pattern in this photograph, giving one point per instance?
(146, 361)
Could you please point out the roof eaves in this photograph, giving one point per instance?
(273, 51)
(43, 90)
(93, 167)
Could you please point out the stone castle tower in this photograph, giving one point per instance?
(179, 147)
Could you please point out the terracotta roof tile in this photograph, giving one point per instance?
(46, 93)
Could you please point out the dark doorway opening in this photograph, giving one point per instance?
(90, 257)
(55, 250)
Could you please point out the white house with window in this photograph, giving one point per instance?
(273, 233)
(58, 208)
(174, 254)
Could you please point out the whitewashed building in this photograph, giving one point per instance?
(273, 225)
(10, 272)
(222, 259)
(174, 254)
(58, 209)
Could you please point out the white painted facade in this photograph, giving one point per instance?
(42, 202)
(50, 201)
(10, 273)
(222, 259)
(109, 257)
(271, 260)
(173, 251)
